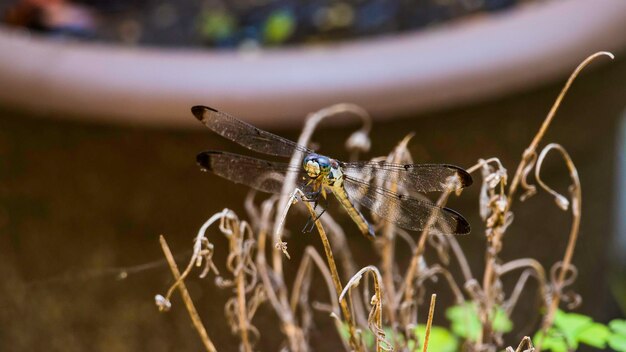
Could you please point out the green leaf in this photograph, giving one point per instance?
(618, 342)
(217, 25)
(368, 337)
(440, 340)
(279, 26)
(551, 341)
(344, 332)
(465, 321)
(570, 325)
(618, 326)
(501, 322)
(595, 335)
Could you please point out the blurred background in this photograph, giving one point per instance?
(98, 145)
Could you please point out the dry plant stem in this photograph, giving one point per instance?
(340, 246)
(526, 342)
(413, 270)
(461, 258)
(376, 301)
(532, 148)
(532, 267)
(429, 323)
(193, 313)
(576, 207)
(354, 342)
(527, 157)
(196, 249)
(310, 254)
(236, 246)
(389, 231)
(281, 307)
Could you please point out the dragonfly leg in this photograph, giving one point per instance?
(308, 227)
(312, 196)
(310, 224)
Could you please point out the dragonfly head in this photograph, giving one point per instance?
(316, 165)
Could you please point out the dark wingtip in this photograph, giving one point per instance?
(198, 111)
(462, 226)
(466, 178)
(204, 160)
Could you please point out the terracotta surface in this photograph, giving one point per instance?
(450, 65)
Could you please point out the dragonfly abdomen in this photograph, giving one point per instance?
(354, 213)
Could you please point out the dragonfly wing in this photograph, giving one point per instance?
(406, 212)
(245, 134)
(262, 175)
(418, 177)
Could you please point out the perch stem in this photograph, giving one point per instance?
(354, 342)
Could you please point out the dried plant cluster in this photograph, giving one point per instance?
(384, 298)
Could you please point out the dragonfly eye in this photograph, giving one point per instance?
(316, 165)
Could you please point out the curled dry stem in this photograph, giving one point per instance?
(532, 148)
(526, 343)
(237, 247)
(202, 250)
(375, 320)
(523, 169)
(563, 203)
(530, 267)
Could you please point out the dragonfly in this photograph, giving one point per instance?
(350, 182)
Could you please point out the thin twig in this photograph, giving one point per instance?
(193, 313)
(431, 312)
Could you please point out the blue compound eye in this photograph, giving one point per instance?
(324, 163)
(316, 165)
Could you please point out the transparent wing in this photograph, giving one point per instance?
(406, 212)
(418, 177)
(245, 134)
(262, 175)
